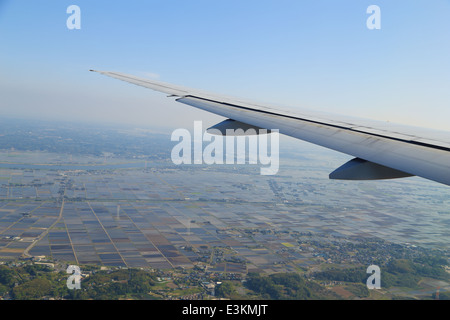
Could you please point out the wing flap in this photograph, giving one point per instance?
(358, 169)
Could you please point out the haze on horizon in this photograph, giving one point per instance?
(315, 55)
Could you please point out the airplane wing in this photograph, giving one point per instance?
(382, 150)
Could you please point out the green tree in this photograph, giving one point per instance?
(6, 276)
(33, 289)
(225, 290)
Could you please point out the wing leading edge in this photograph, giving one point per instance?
(381, 150)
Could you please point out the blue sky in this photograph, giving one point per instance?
(313, 54)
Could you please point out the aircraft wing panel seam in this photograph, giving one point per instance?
(418, 143)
